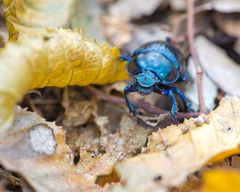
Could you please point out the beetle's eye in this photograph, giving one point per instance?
(132, 67)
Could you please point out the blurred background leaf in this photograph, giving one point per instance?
(32, 16)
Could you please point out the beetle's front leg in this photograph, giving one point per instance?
(174, 104)
(186, 102)
(125, 58)
(131, 87)
(169, 93)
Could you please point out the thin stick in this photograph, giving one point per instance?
(156, 110)
(197, 63)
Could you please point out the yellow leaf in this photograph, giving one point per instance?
(221, 181)
(179, 150)
(58, 58)
(32, 16)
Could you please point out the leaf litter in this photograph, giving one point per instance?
(36, 150)
(218, 66)
(103, 142)
(175, 152)
(125, 8)
(105, 139)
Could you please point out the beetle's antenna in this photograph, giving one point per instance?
(125, 57)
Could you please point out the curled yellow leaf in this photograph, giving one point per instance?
(221, 181)
(31, 16)
(58, 58)
(179, 150)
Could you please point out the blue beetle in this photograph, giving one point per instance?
(155, 66)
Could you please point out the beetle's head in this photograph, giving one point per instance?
(144, 75)
(146, 78)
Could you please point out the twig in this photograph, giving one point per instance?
(140, 104)
(198, 67)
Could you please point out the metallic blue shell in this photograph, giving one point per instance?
(164, 48)
(159, 57)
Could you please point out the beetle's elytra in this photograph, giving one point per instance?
(154, 67)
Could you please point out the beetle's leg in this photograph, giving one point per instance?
(169, 93)
(131, 87)
(125, 57)
(174, 105)
(186, 102)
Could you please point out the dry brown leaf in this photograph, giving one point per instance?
(77, 113)
(36, 150)
(118, 31)
(202, 16)
(134, 9)
(224, 6)
(210, 90)
(178, 5)
(126, 142)
(235, 162)
(118, 86)
(219, 67)
(193, 184)
(221, 181)
(145, 34)
(175, 152)
(87, 15)
(228, 23)
(105, 139)
(237, 46)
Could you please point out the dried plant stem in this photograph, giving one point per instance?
(140, 104)
(198, 67)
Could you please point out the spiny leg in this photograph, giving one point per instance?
(170, 94)
(131, 87)
(186, 102)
